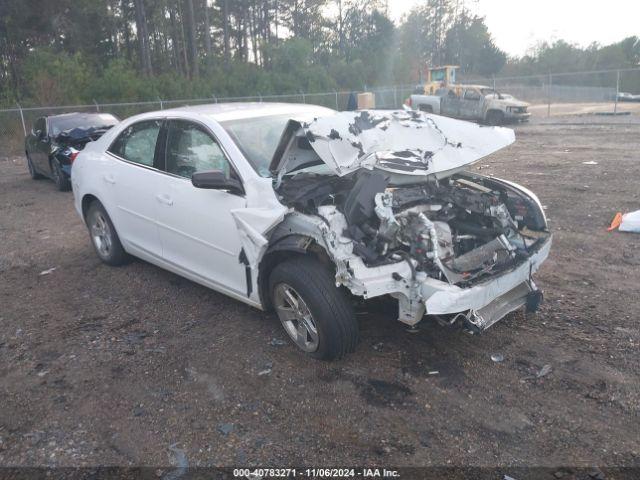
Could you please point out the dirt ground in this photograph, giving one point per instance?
(585, 109)
(137, 366)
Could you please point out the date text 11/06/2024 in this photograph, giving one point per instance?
(263, 473)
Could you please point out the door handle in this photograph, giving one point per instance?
(166, 199)
(109, 179)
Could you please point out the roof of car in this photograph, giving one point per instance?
(473, 85)
(237, 111)
(76, 114)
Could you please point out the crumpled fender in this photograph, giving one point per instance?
(261, 214)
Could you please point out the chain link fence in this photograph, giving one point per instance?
(16, 122)
(597, 91)
(551, 94)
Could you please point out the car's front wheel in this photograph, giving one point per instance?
(104, 237)
(495, 118)
(317, 316)
(61, 181)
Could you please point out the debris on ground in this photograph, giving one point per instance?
(266, 369)
(225, 428)
(590, 162)
(48, 271)
(544, 371)
(629, 222)
(497, 357)
(276, 342)
(138, 410)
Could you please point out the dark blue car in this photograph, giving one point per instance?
(55, 141)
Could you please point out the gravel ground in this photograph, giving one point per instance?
(137, 366)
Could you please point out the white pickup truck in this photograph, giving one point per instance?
(471, 102)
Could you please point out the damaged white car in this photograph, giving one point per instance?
(308, 211)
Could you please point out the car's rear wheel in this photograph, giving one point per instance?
(316, 315)
(495, 117)
(61, 181)
(32, 169)
(104, 236)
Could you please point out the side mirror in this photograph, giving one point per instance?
(216, 180)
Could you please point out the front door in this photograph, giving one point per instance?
(39, 146)
(197, 230)
(450, 104)
(471, 104)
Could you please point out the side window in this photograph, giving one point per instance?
(191, 149)
(137, 143)
(471, 95)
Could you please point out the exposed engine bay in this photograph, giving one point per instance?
(458, 230)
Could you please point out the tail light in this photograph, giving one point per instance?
(73, 155)
(408, 102)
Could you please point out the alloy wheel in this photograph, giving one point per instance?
(101, 235)
(296, 317)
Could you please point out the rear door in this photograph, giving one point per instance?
(131, 179)
(197, 230)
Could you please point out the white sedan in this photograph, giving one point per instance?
(303, 210)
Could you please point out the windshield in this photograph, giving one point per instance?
(95, 120)
(257, 138)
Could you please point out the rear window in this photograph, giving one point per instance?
(89, 120)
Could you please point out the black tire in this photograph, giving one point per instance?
(495, 118)
(62, 182)
(110, 251)
(32, 169)
(331, 310)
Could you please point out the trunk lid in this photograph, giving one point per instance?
(78, 137)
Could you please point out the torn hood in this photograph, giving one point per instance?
(399, 142)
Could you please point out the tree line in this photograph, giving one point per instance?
(67, 51)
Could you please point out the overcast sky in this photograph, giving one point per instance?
(517, 25)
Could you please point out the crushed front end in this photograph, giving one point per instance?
(463, 248)
(411, 223)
